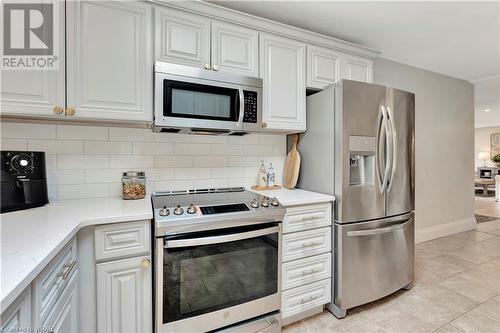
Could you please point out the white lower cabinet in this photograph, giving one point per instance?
(124, 286)
(17, 317)
(306, 269)
(64, 315)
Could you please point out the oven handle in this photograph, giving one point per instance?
(242, 108)
(219, 239)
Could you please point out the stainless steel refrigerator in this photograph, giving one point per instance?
(359, 146)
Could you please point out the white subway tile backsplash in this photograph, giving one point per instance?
(14, 144)
(71, 132)
(130, 134)
(82, 191)
(193, 173)
(258, 149)
(131, 161)
(108, 147)
(228, 150)
(192, 149)
(172, 161)
(88, 161)
(59, 177)
(27, 131)
(210, 161)
(56, 147)
(157, 148)
(80, 161)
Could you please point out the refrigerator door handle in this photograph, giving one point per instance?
(382, 128)
(394, 155)
(378, 231)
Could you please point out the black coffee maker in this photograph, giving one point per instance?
(23, 180)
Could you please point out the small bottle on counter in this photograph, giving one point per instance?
(133, 185)
(262, 182)
(270, 176)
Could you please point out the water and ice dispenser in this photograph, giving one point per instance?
(362, 160)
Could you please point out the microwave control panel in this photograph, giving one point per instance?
(250, 115)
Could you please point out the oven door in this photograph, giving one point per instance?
(198, 104)
(209, 280)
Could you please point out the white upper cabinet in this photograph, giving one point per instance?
(358, 68)
(182, 38)
(36, 92)
(283, 71)
(235, 49)
(323, 66)
(110, 71)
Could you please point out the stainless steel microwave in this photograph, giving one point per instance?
(193, 100)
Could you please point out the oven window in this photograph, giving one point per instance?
(208, 278)
(189, 100)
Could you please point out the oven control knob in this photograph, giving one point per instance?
(164, 211)
(274, 202)
(265, 202)
(178, 210)
(191, 209)
(254, 203)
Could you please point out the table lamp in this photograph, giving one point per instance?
(484, 155)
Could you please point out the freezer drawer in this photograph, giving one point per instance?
(373, 259)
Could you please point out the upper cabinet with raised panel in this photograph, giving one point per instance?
(283, 72)
(323, 66)
(36, 92)
(182, 38)
(235, 49)
(358, 68)
(110, 71)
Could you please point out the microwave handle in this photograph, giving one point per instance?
(242, 108)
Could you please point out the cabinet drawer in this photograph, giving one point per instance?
(306, 243)
(300, 299)
(307, 217)
(50, 283)
(122, 239)
(303, 271)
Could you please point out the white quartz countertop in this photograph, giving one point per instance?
(296, 197)
(31, 238)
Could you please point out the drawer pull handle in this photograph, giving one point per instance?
(308, 300)
(145, 263)
(309, 218)
(67, 269)
(309, 272)
(311, 244)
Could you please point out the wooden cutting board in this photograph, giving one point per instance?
(292, 165)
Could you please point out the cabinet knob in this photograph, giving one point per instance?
(70, 112)
(264, 125)
(215, 67)
(145, 263)
(57, 110)
(207, 66)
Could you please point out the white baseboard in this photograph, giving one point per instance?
(442, 230)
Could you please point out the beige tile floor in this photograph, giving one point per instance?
(487, 206)
(457, 289)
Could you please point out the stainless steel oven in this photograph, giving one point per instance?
(211, 279)
(194, 100)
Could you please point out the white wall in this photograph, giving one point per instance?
(444, 144)
(482, 143)
(87, 161)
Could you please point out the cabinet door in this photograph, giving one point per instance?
(182, 38)
(358, 69)
(110, 72)
(323, 66)
(284, 86)
(124, 297)
(64, 316)
(17, 317)
(36, 92)
(235, 49)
